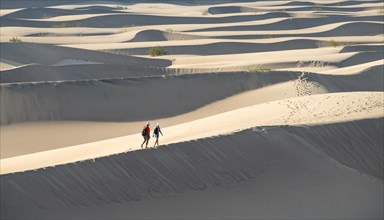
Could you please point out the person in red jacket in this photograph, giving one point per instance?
(146, 133)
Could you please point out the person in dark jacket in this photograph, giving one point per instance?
(156, 134)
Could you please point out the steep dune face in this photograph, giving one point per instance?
(294, 23)
(77, 70)
(371, 79)
(26, 53)
(230, 9)
(156, 35)
(172, 169)
(124, 96)
(221, 48)
(122, 99)
(46, 13)
(363, 151)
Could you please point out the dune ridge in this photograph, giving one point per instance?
(126, 94)
(181, 167)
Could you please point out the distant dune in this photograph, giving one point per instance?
(51, 55)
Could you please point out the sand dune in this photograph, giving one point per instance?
(303, 58)
(322, 8)
(116, 21)
(221, 48)
(230, 9)
(26, 53)
(177, 168)
(363, 57)
(46, 13)
(156, 35)
(84, 132)
(92, 94)
(369, 79)
(39, 73)
(370, 47)
(295, 111)
(356, 69)
(345, 29)
(160, 94)
(231, 48)
(295, 23)
(269, 109)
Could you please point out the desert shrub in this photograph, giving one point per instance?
(205, 12)
(15, 40)
(157, 51)
(333, 43)
(317, 9)
(121, 7)
(169, 30)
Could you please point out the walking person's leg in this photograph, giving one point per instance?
(147, 140)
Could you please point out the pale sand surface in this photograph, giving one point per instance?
(40, 136)
(269, 109)
(296, 111)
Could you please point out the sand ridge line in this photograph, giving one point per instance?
(295, 111)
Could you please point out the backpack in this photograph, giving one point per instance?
(144, 132)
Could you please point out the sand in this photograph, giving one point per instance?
(269, 109)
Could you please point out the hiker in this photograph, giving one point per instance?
(146, 133)
(156, 134)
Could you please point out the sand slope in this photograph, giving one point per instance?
(51, 55)
(164, 96)
(256, 154)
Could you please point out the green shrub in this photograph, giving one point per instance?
(333, 43)
(317, 9)
(157, 51)
(15, 40)
(169, 30)
(205, 12)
